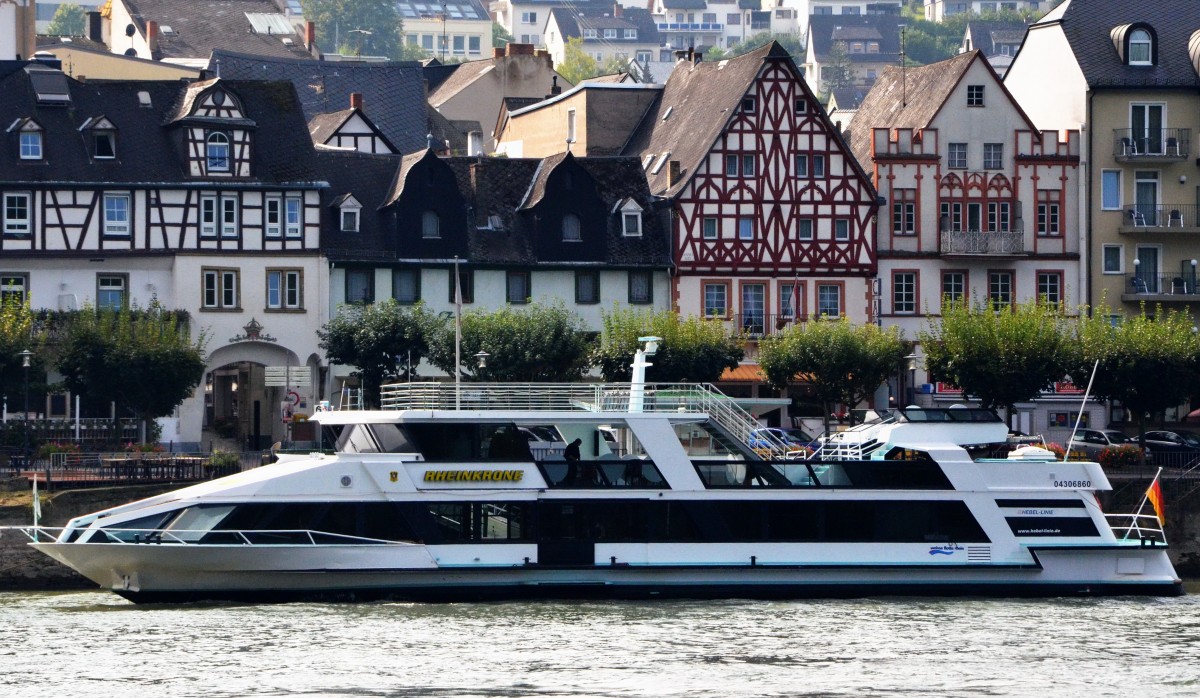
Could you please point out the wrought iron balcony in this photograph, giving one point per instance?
(754, 325)
(1178, 217)
(981, 242)
(1151, 144)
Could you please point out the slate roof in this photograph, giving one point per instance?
(822, 30)
(985, 35)
(48, 40)
(393, 91)
(684, 4)
(147, 148)
(848, 97)
(368, 178)
(322, 126)
(1087, 25)
(701, 99)
(572, 21)
(203, 26)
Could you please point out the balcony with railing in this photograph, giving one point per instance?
(1149, 286)
(757, 325)
(1156, 144)
(691, 27)
(1168, 218)
(971, 243)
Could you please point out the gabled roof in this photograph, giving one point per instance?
(393, 91)
(1088, 26)
(199, 27)
(322, 127)
(695, 105)
(824, 30)
(573, 20)
(82, 42)
(367, 178)
(986, 35)
(913, 97)
(147, 152)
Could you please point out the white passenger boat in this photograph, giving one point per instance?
(440, 496)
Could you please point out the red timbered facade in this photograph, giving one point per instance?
(774, 219)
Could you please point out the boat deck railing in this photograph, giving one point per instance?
(154, 536)
(687, 398)
(1144, 527)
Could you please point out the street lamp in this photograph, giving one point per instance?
(912, 362)
(481, 359)
(25, 357)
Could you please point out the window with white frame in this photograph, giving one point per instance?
(111, 291)
(284, 289)
(993, 156)
(349, 219)
(406, 286)
(293, 216)
(273, 216)
(1000, 289)
(31, 145)
(18, 217)
(710, 229)
(956, 157)
(999, 216)
(791, 298)
(1141, 48)
(632, 224)
(804, 229)
(904, 292)
(818, 166)
(731, 166)
(116, 215)
(974, 95)
(904, 211)
(1110, 190)
(229, 217)
(14, 288)
(208, 215)
(1048, 213)
(745, 228)
(528, 18)
(1049, 287)
(104, 144)
(748, 168)
(954, 286)
(716, 300)
(220, 289)
(801, 165)
(570, 125)
(217, 152)
(829, 300)
(841, 229)
(1113, 259)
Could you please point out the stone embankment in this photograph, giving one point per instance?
(23, 568)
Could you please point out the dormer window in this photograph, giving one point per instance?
(631, 218)
(1140, 48)
(430, 225)
(31, 145)
(350, 218)
(570, 228)
(218, 152)
(104, 145)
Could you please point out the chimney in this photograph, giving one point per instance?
(616, 9)
(152, 37)
(310, 35)
(673, 173)
(681, 55)
(520, 49)
(94, 24)
(691, 54)
(356, 100)
(498, 52)
(554, 88)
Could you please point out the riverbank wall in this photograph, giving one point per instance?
(23, 568)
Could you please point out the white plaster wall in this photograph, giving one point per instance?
(1054, 99)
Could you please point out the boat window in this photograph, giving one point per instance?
(901, 475)
(356, 438)
(842, 521)
(392, 439)
(135, 530)
(331, 522)
(603, 474)
(464, 522)
(450, 442)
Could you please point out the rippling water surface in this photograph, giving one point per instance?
(95, 644)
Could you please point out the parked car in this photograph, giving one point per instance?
(1093, 441)
(1173, 448)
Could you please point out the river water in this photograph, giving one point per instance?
(96, 644)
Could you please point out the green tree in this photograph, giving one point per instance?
(692, 349)
(790, 42)
(1147, 362)
(500, 36)
(535, 343)
(68, 20)
(576, 65)
(841, 362)
(18, 333)
(357, 27)
(383, 340)
(1001, 355)
(837, 71)
(145, 360)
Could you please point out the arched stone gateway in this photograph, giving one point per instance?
(254, 393)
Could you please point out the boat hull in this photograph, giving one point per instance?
(175, 573)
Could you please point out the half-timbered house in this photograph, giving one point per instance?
(202, 195)
(981, 205)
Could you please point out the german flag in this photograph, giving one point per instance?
(1155, 495)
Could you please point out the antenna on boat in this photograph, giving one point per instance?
(1079, 417)
(637, 380)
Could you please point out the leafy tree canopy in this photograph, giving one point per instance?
(841, 362)
(68, 20)
(18, 332)
(380, 340)
(143, 359)
(1002, 355)
(576, 65)
(790, 42)
(1148, 362)
(692, 349)
(357, 27)
(500, 36)
(536, 343)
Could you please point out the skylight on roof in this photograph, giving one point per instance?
(668, 113)
(269, 23)
(662, 159)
